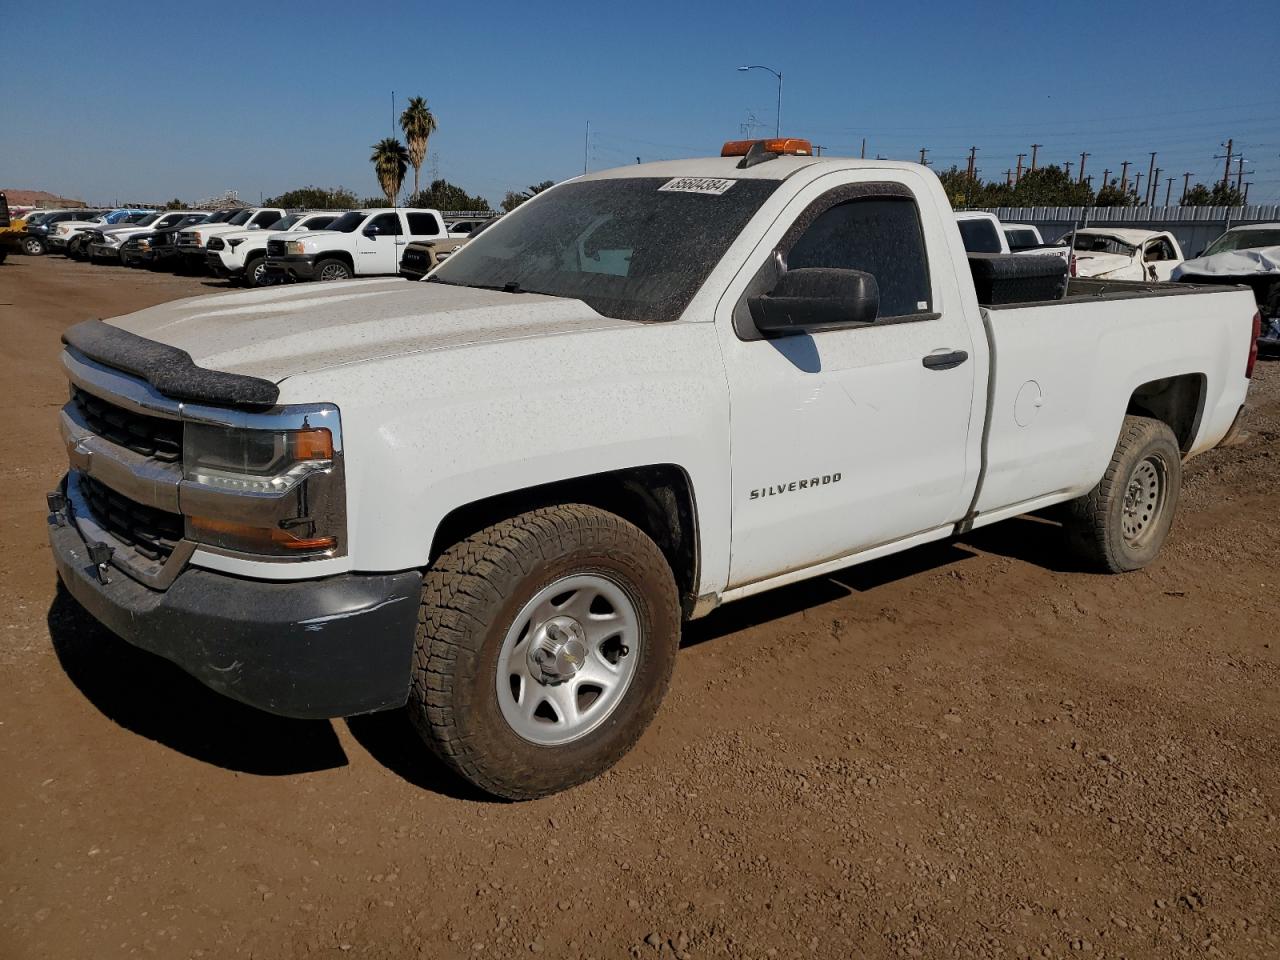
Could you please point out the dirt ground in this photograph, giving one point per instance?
(971, 750)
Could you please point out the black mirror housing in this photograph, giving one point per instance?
(816, 298)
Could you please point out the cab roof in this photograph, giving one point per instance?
(779, 168)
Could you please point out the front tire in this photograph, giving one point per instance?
(33, 246)
(1121, 523)
(255, 272)
(327, 270)
(545, 645)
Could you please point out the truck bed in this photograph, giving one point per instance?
(1085, 290)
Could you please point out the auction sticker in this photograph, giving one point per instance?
(710, 185)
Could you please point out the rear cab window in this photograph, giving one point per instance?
(424, 224)
(979, 236)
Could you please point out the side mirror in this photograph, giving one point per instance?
(816, 298)
(370, 232)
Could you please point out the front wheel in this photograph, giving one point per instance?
(1122, 522)
(332, 270)
(255, 272)
(545, 645)
(33, 246)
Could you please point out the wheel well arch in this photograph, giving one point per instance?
(342, 255)
(657, 498)
(1177, 401)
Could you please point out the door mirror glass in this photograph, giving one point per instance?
(816, 298)
(371, 232)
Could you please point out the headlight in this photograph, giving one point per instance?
(296, 246)
(235, 243)
(143, 243)
(276, 492)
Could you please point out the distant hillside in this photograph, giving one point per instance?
(39, 198)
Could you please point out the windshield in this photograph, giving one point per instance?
(284, 223)
(1243, 240)
(348, 222)
(34, 218)
(1101, 243)
(241, 218)
(149, 219)
(979, 236)
(634, 249)
(220, 216)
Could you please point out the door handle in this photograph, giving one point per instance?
(945, 361)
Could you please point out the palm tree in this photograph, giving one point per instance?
(390, 161)
(418, 123)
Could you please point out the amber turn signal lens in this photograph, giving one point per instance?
(781, 145)
(240, 536)
(312, 444)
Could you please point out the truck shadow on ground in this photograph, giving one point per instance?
(153, 698)
(1033, 539)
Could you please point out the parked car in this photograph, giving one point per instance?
(36, 236)
(68, 236)
(1107, 254)
(104, 245)
(139, 248)
(461, 229)
(1250, 255)
(494, 496)
(191, 243)
(360, 243)
(242, 254)
(981, 232)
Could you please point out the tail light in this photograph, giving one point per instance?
(1253, 344)
(1072, 261)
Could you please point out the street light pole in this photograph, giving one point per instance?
(777, 130)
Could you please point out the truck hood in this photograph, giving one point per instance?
(1098, 264)
(278, 332)
(1232, 263)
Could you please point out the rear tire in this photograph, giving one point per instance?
(1120, 524)
(327, 270)
(500, 692)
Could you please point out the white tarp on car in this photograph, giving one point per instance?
(1232, 263)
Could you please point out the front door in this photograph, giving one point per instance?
(849, 438)
(378, 245)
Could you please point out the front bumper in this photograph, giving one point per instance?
(102, 251)
(310, 649)
(296, 266)
(217, 266)
(56, 242)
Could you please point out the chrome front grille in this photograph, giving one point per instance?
(153, 437)
(152, 533)
(276, 248)
(215, 243)
(188, 238)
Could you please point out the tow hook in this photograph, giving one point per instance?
(100, 555)
(57, 508)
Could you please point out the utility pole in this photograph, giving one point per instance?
(973, 158)
(1168, 189)
(586, 147)
(1083, 158)
(863, 154)
(1008, 177)
(1035, 148)
(1106, 177)
(1226, 170)
(1137, 182)
(1151, 171)
(1239, 171)
(1153, 188)
(923, 153)
(1069, 164)
(1089, 180)
(1186, 181)
(1247, 185)
(1124, 175)
(1018, 175)
(817, 149)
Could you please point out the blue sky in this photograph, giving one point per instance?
(151, 101)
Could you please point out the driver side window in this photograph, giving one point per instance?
(385, 225)
(879, 235)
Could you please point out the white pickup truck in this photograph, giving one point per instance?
(360, 243)
(242, 254)
(190, 245)
(495, 494)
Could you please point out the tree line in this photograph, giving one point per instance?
(1052, 186)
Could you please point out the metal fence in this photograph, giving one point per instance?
(1194, 227)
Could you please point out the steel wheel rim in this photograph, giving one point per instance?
(1143, 499)
(31, 246)
(544, 695)
(334, 271)
(259, 273)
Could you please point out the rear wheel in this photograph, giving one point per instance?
(1121, 523)
(33, 246)
(545, 645)
(332, 270)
